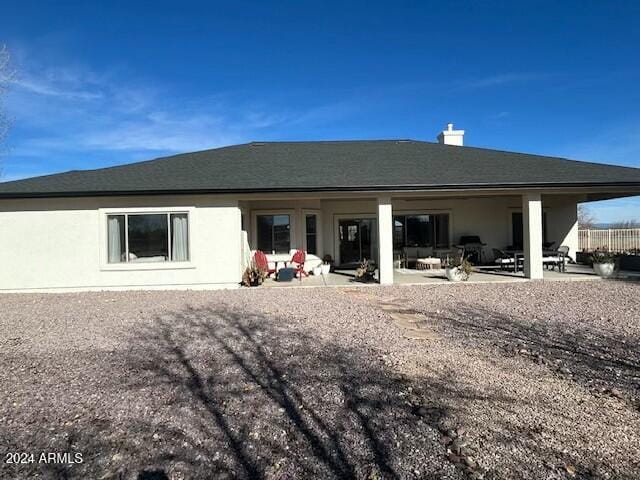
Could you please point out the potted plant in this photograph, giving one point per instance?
(604, 263)
(366, 271)
(327, 263)
(457, 269)
(253, 276)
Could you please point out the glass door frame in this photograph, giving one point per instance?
(355, 216)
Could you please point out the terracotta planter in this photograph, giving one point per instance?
(604, 270)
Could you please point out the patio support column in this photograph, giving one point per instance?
(385, 241)
(532, 229)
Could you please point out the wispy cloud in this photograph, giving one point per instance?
(500, 80)
(39, 87)
(499, 115)
(73, 117)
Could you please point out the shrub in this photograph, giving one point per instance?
(365, 271)
(253, 275)
(461, 263)
(603, 256)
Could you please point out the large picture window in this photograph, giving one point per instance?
(148, 237)
(421, 231)
(273, 233)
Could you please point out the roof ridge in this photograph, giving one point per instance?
(373, 140)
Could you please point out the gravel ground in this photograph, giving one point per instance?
(527, 380)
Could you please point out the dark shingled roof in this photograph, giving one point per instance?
(327, 166)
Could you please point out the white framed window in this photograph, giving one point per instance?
(274, 231)
(148, 237)
(312, 232)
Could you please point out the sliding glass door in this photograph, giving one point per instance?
(358, 240)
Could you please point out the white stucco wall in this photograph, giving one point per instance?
(60, 244)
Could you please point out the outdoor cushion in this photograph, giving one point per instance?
(429, 261)
(503, 261)
(286, 274)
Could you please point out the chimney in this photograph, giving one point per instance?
(451, 136)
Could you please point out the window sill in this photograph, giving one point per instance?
(129, 267)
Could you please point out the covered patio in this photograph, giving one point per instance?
(397, 230)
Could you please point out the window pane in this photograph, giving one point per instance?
(264, 233)
(115, 239)
(311, 223)
(273, 233)
(517, 230)
(442, 230)
(311, 234)
(148, 238)
(281, 220)
(281, 237)
(179, 237)
(419, 231)
(352, 232)
(398, 232)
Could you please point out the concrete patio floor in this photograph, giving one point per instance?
(405, 276)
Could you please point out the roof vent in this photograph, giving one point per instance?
(451, 136)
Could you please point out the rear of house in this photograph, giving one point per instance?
(191, 220)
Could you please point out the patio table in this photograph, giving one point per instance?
(277, 258)
(428, 263)
(545, 253)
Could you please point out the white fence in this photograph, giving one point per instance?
(611, 239)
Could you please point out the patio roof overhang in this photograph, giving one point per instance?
(592, 191)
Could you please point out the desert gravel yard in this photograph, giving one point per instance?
(499, 381)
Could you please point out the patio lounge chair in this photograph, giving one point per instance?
(410, 255)
(260, 260)
(556, 258)
(503, 259)
(297, 263)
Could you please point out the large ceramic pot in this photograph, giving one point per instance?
(325, 268)
(604, 270)
(317, 270)
(455, 274)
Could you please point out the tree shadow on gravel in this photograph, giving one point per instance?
(587, 355)
(247, 396)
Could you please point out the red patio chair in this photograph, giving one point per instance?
(261, 261)
(297, 262)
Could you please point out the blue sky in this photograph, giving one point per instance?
(101, 85)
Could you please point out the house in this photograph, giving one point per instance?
(184, 221)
